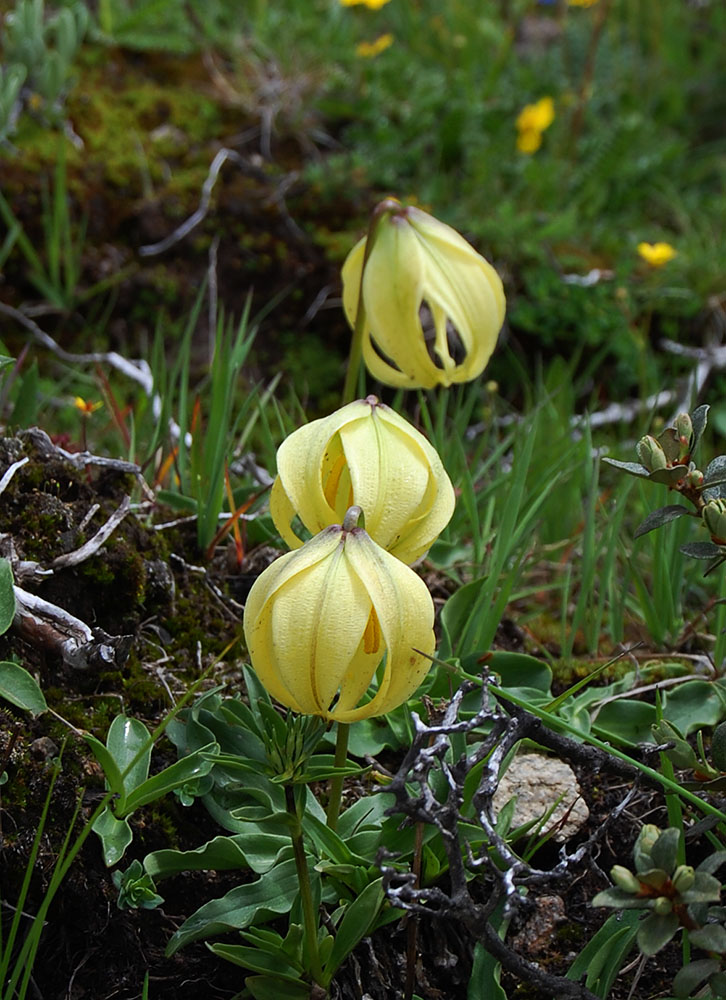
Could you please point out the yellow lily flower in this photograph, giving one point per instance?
(656, 254)
(433, 306)
(363, 454)
(325, 621)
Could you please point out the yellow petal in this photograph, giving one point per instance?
(363, 454)
(417, 260)
(265, 652)
(283, 512)
(318, 622)
(436, 506)
(405, 614)
(305, 461)
(463, 288)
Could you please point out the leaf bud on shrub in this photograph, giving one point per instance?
(624, 879)
(684, 429)
(651, 454)
(662, 906)
(683, 878)
(714, 516)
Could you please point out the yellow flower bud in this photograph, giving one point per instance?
(325, 621)
(433, 306)
(363, 454)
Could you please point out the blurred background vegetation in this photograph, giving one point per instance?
(111, 114)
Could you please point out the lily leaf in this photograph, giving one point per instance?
(115, 836)
(273, 893)
(19, 688)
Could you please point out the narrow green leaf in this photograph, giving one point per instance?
(484, 982)
(272, 963)
(355, 925)
(196, 765)
(602, 957)
(265, 988)
(111, 770)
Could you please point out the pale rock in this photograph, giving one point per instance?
(538, 782)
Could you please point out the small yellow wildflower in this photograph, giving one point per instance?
(370, 4)
(367, 50)
(581, 3)
(656, 254)
(85, 407)
(531, 122)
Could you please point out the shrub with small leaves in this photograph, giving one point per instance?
(673, 896)
(667, 459)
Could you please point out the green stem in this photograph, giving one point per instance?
(335, 789)
(350, 387)
(310, 919)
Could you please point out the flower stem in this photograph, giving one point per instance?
(310, 920)
(335, 789)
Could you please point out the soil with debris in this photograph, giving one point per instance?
(145, 583)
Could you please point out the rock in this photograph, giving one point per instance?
(536, 935)
(43, 748)
(538, 782)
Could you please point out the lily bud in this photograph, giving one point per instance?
(325, 621)
(714, 516)
(433, 306)
(651, 453)
(363, 454)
